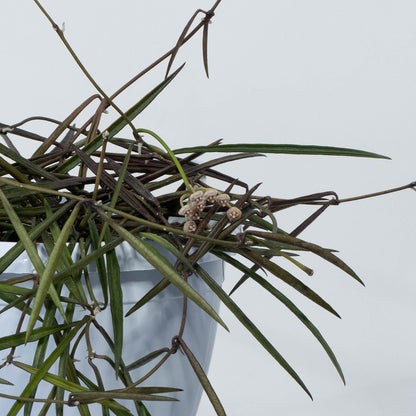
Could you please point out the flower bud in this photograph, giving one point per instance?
(223, 199)
(209, 196)
(186, 211)
(196, 197)
(189, 226)
(195, 215)
(234, 214)
(200, 206)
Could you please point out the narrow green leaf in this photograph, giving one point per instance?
(16, 302)
(120, 123)
(160, 263)
(74, 284)
(205, 46)
(133, 112)
(39, 189)
(12, 171)
(154, 291)
(41, 372)
(205, 168)
(95, 396)
(16, 290)
(180, 42)
(3, 381)
(34, 233)
(288, 303)
(118, 186)
(121, 412)
(27, 163)
(68, 385)
(99, 261)
(62, 127)
(34, 257)
(314, 248)
(151, 390)
(169, 246)
(146, 359)
(116, 303)
(293, 149)
(45, 284)
(29, 246)
(121, 176)
(84, 261)
(249, 325)
(45, 408)
(65, 361)
(51, 378)
(142, 410)
(40, 353)
(203, 379)
(169, 152)
(66, 259)
(74, 376)
(288, 278)
(39, 333)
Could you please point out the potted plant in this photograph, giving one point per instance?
(93, 198)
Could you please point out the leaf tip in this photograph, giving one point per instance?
(223, 324)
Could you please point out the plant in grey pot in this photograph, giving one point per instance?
(113, 245)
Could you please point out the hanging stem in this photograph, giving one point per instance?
(61, 35)
(172, 156)
(167, 54)
(152, 371)
(411, 185)
(29, 399)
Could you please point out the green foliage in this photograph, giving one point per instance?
(92, 188)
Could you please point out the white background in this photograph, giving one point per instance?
(308, 72)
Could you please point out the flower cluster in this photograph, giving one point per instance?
(199, 200)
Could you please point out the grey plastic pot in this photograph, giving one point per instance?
(148, 329)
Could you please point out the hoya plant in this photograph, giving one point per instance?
(89, 187)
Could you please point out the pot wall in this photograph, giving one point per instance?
(148, 329)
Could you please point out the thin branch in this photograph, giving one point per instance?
(411, 185)
(61, 35)
(29, 399)
(167, 54)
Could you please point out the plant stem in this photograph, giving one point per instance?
(28, 399)
(152, 371)
(60, 33)
(411, 185)
(172, 156)
(166, 55)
